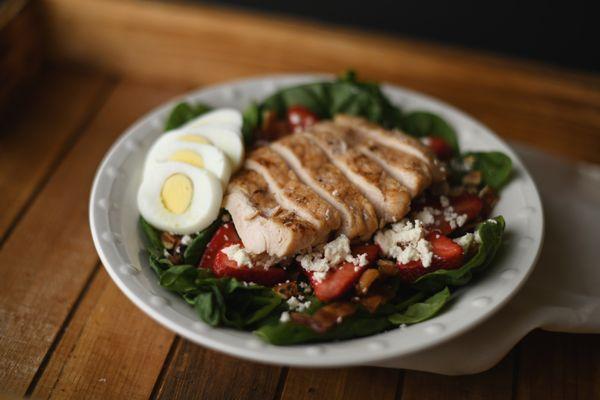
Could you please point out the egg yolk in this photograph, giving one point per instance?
(194, 139)
(189, 157)
(177, 193)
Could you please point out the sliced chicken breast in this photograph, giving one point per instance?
(312, 166)
(395, 139)
(263, 225)
(291, 193)
(390, 199)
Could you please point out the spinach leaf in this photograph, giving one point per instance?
(358, 325)
(184, 112)
(495, 167)
(421, 311)
(490, 233)
(195, 249)
(219, 301)
(345, 95)
(421, 123)
(252, 117)
(153, 243)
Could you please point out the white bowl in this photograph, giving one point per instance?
(114, 216)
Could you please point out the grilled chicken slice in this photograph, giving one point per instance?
(312, 166)
(394, 139)
(262, 224)
(291, 193)
(390, 199)
(406, 168)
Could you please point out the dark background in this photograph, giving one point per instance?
(562, 33)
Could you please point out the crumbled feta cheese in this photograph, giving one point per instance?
(444, 202)
(478, 238)
(238, 254)
(405, 242)
(186, 240)
(226, 217)
(465, 241)
(454, 220)
(339, 320)
(333, 254)
(285, 317)
(166, 253)
(296, 305)
(426, 215)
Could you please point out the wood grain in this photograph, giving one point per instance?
(111, 350)
(521, 100)
(32, 139)
(39, 287)
(198, 373)
(342, 383)
(497, 383)
(559, 366)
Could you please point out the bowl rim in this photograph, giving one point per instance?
(317, 354)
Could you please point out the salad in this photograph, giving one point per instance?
(322, 213)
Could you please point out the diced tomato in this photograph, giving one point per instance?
(440, 147)
(217, 261)
(340, 280)
(300, 117)
(446, 255)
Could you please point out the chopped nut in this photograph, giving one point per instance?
(326, 317)
(286, 289)
(372, 302)
(387, 268)
(472, 178)
(366, 280)
(469, 162)
(169, 240)
(456, 191)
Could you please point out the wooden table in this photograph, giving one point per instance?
(65, 328)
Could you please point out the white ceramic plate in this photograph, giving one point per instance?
(114, 216)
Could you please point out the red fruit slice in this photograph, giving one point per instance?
(440, 147)
(300, 117)
(468, 204)
(446, 255)
(217, 261)
(340, 280)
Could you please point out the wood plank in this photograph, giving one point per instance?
(34, 135)
(46, 261)
(521, 100)
(559, 366)
(98, 358)
(497, 383)
(342, 383)
(198, 373)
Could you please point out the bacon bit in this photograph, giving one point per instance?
(286, 289)
(380, 294)
(326, 317)
(472, 178)
(372, 302)
(387, 268)
(366, 280)
(169, 240)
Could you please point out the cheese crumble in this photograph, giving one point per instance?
(405, 242)
(331, 255)
(238, 254)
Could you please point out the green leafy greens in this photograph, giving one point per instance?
(490, 235)
(495, 167)
(421, 124)
(184, 112)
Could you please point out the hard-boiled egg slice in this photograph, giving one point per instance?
(179, 198)
(227, 140)
(199, 155)
(228, 118)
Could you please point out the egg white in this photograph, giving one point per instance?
(214, 159)
(225, 139)
(228, 118)
(207, 195)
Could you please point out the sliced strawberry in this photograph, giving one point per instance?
(446, 255)
(338, 281)
(225, 236)
(300, 117)
(469, 204)
(440, 147)
(217, 261)
(223, 266)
